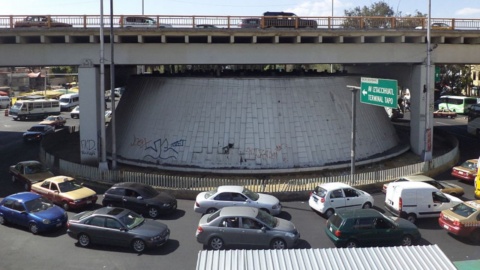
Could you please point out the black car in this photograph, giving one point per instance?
(140, 198)
(37, 132)
(117, 227)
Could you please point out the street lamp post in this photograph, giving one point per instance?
(428, 132)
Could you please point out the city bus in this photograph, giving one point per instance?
(31, 109)
(458, 104)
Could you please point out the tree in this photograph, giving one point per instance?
(455, 78)
(383, 16)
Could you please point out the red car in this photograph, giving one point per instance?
(466, 171)
(29, 172)
(444, 113)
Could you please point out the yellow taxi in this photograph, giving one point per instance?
(463, 220)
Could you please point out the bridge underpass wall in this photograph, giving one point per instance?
(414, 78)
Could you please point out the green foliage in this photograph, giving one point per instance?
(458, 77)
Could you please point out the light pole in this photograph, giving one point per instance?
(428, 132)
(142, 7)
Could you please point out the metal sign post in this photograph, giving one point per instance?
(354, 90)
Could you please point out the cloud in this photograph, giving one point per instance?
(467, 11)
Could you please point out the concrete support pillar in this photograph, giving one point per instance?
(90, 113)
(421, 109)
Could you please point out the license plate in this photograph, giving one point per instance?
(460, 172)
(59, 224)
(315, 199)
(331, 229)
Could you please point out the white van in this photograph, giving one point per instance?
(4, 102)
(69, 101)
(413, 200)
(141, 21)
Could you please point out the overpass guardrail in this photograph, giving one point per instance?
(237, 22)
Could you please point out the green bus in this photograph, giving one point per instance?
(458, 104)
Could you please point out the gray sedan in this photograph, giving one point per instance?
(246, 226)
(119, 227)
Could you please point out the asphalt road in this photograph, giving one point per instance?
(56, 250)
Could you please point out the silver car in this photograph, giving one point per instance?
(245, 226)
(211, 201)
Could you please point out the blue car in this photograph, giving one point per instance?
(31, 210)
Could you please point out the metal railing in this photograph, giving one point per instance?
(236, 22)
(259, 185)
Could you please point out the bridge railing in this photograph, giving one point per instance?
(235, 22)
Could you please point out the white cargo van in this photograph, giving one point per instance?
(141, 21)
(413, 200)
(69, 101)
(4, 102)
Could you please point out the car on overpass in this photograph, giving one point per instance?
(40, 21)
(278, 20)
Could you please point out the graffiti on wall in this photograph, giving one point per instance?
(266, 153)
(159, 149)
(88, 147)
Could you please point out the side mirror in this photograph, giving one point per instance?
(56, 191)
(123, 229)
(264, 229)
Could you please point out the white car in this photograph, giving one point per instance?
(211, 201)
(330, 197)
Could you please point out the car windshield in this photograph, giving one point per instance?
(50, 118)
(34, 168)
(336, 220)
(267, 219)
(68, 186)
(463, 210)
(470, 165)
(321, 192)
(213, 216)
(148, 192)
(36, 128)
(38, 204)
(132, 220)
(210, 193)
(250, 194)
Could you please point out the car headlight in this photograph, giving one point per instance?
(166, 205)
(46, 221)
(291, 235)
(77, 201)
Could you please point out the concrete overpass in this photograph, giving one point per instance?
(394, 54)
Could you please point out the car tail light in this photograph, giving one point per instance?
(199, 230)
(68, 224)
(311, 193)
(457, 223)
(400, 204)
(322, 200)
(338, 233)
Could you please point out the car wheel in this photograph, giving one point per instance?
(14, 179)
(407, 240)
(153, 212)
(278, 244)
(476, 237)
(65, 206)
(26, 187)
(138, 245)
(211, 210)
(2, 220)
(367, 205)
(83, 240)
(216, 243)
(329, 213)
(33, 227)
(412, 218)
(351, 244)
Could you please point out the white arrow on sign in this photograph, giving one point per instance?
(364, 92)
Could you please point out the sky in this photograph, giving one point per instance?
(440, 8)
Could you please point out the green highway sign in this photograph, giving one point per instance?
(379, 92)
